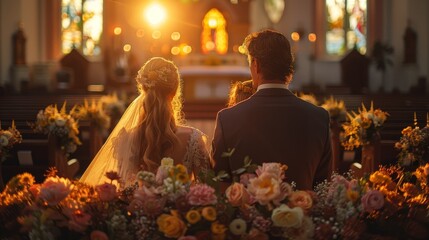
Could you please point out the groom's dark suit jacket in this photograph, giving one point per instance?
(275, 126)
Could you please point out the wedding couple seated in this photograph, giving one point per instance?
(267, 124)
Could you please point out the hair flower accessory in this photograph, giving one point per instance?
(149, 79)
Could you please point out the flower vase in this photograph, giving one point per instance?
(335, 142)
(95, 140)
(57, 156)
(371, 154)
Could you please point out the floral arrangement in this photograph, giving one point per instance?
(390, 203)
(260, 205)
(60, 124)
(309, 98)
(112, 105)
(363, 127)
(8, 138)
(336, 108)
(413, 146)
(93, 113)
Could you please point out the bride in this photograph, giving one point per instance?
(150, 129)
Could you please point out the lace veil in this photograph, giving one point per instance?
(122, 150)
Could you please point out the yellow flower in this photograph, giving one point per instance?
(379, 178)
(193, 216)
(217, 228)
(181, 168)
(209, 213)
(182, 177)
(352, 195)
(167, 161)
(171, 226)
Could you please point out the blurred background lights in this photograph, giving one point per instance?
(140, 33)
(155, 14)
(156, 34)
(175, 50)
(127, 47)
(117, 30)
(312, 37)
(295, 36)
(175, 36)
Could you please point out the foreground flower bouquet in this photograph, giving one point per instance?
(413, 146)
(259, 204)
(389, 204)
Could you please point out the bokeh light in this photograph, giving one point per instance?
(155, 14)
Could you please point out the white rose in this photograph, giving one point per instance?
(60, 122)
(284, 216)
(3, 141)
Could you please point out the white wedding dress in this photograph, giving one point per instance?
(120, 152)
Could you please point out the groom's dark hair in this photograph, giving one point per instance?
(272, 51)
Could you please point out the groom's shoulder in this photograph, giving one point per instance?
(235, 110)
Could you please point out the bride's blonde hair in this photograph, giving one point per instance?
(159, 83)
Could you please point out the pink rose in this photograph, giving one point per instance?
(54, 190)
(153, 206)
(201, 195)
(237, 195)
(106, 191)
(276, 169)
(244, 178)
(301, 199)
(372, 200)
(79, 221)
(265, 188)
(98, 235)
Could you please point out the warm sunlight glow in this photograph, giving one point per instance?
(117, 30)
(155, 14)
(156, 34)
(241, 50)
(212, 23)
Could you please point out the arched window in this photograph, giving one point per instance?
(214, 37)
(81, 26)
(346, 26)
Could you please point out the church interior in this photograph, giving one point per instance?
(82, 52)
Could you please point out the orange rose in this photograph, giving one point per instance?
(237, 195)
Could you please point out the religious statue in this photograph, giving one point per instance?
(410, 45)
(18, 43)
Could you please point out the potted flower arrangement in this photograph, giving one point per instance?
(362, 130)
(337, 112)
(413, 145)
(8, 138)
(62, 130)
(309, 98)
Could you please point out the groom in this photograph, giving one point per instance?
(274, 125)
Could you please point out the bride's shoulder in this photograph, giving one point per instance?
(182, 129)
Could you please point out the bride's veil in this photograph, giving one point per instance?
(120, 149)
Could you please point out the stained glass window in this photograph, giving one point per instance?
(214, 37)
(346, 26)
(82, 25)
